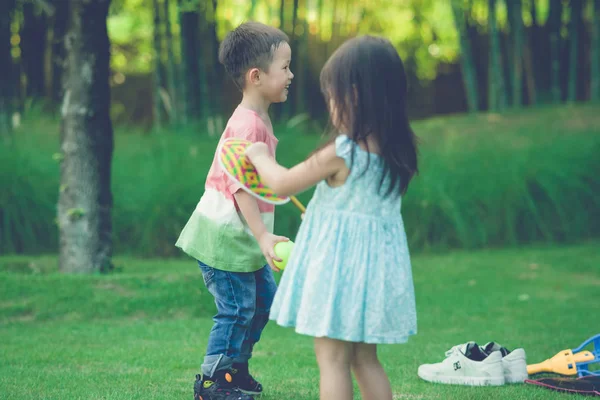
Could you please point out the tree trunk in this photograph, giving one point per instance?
(190, 58)
(320, 19)
(214, 84)
(530, 63)
(7, 83)
(203, 71)
(331, 45)
(510, 51)
(33, 47)
(466, 58)
(282, 15)
(576, 9)
(59, 29)
(554, 25)
(170, 64)
(158, 82)
(595, 53)
(496, 95)
(529, 70)
(534, 15)
(517, 36)
(85, 199)
(284, 109)
(290, 106)
(302, 65)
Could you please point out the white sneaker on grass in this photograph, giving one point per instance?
(514, 363)
(466, 364)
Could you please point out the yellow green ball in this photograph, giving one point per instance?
(283, 251)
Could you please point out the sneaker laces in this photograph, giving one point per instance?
(455, 350)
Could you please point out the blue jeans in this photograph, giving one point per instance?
(243, 302)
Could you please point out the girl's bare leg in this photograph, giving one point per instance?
(334, 358)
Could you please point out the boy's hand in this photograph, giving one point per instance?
(267, 244)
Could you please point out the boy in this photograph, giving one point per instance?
(229, 232)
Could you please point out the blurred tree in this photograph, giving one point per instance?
(190, 56)
(59, 29)
(207, 51)
(531, 65)
(33, 48)
(554, 26)
(466, 57)
(516, 25)
(595, 53)
(7, 82)
(574, 26)
(425, 32)
(497, 94)
(286, 108)
(170, 64)
(86, 143)
(158, 81)
(302, 65)
(214, 75)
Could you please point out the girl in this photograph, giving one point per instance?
(348, 281)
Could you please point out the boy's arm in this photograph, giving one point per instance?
(249, 208)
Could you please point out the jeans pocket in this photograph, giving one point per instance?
(208, 273)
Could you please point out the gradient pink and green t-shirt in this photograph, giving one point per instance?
(217, 233)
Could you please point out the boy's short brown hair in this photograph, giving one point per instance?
(250, 45)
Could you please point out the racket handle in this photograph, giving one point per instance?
(544, 366)
(298, 204)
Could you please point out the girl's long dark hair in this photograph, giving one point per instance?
(365, 81)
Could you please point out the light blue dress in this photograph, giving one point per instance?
(349, 276)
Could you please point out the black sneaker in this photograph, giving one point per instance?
(244, 381)
(218, 387)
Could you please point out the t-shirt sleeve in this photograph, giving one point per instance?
(254, 132)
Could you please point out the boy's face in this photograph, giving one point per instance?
(275, 81)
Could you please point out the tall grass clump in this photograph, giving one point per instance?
(485, 180)
(506, 180)
(29, 177)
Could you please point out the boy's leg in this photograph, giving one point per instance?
(372, 379)
(334, 358)
(265, 292)
(234, 295)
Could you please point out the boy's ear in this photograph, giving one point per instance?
(253, 76)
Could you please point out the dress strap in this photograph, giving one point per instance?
(344, 146)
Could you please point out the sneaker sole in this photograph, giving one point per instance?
(464, 380)
(515, 378)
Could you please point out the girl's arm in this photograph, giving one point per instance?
(283, 181)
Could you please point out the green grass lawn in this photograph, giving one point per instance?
(140, 333)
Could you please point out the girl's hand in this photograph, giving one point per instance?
(257, 150)
(267, 243)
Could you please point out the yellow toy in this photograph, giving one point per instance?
(572, 362)
(563, 363)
